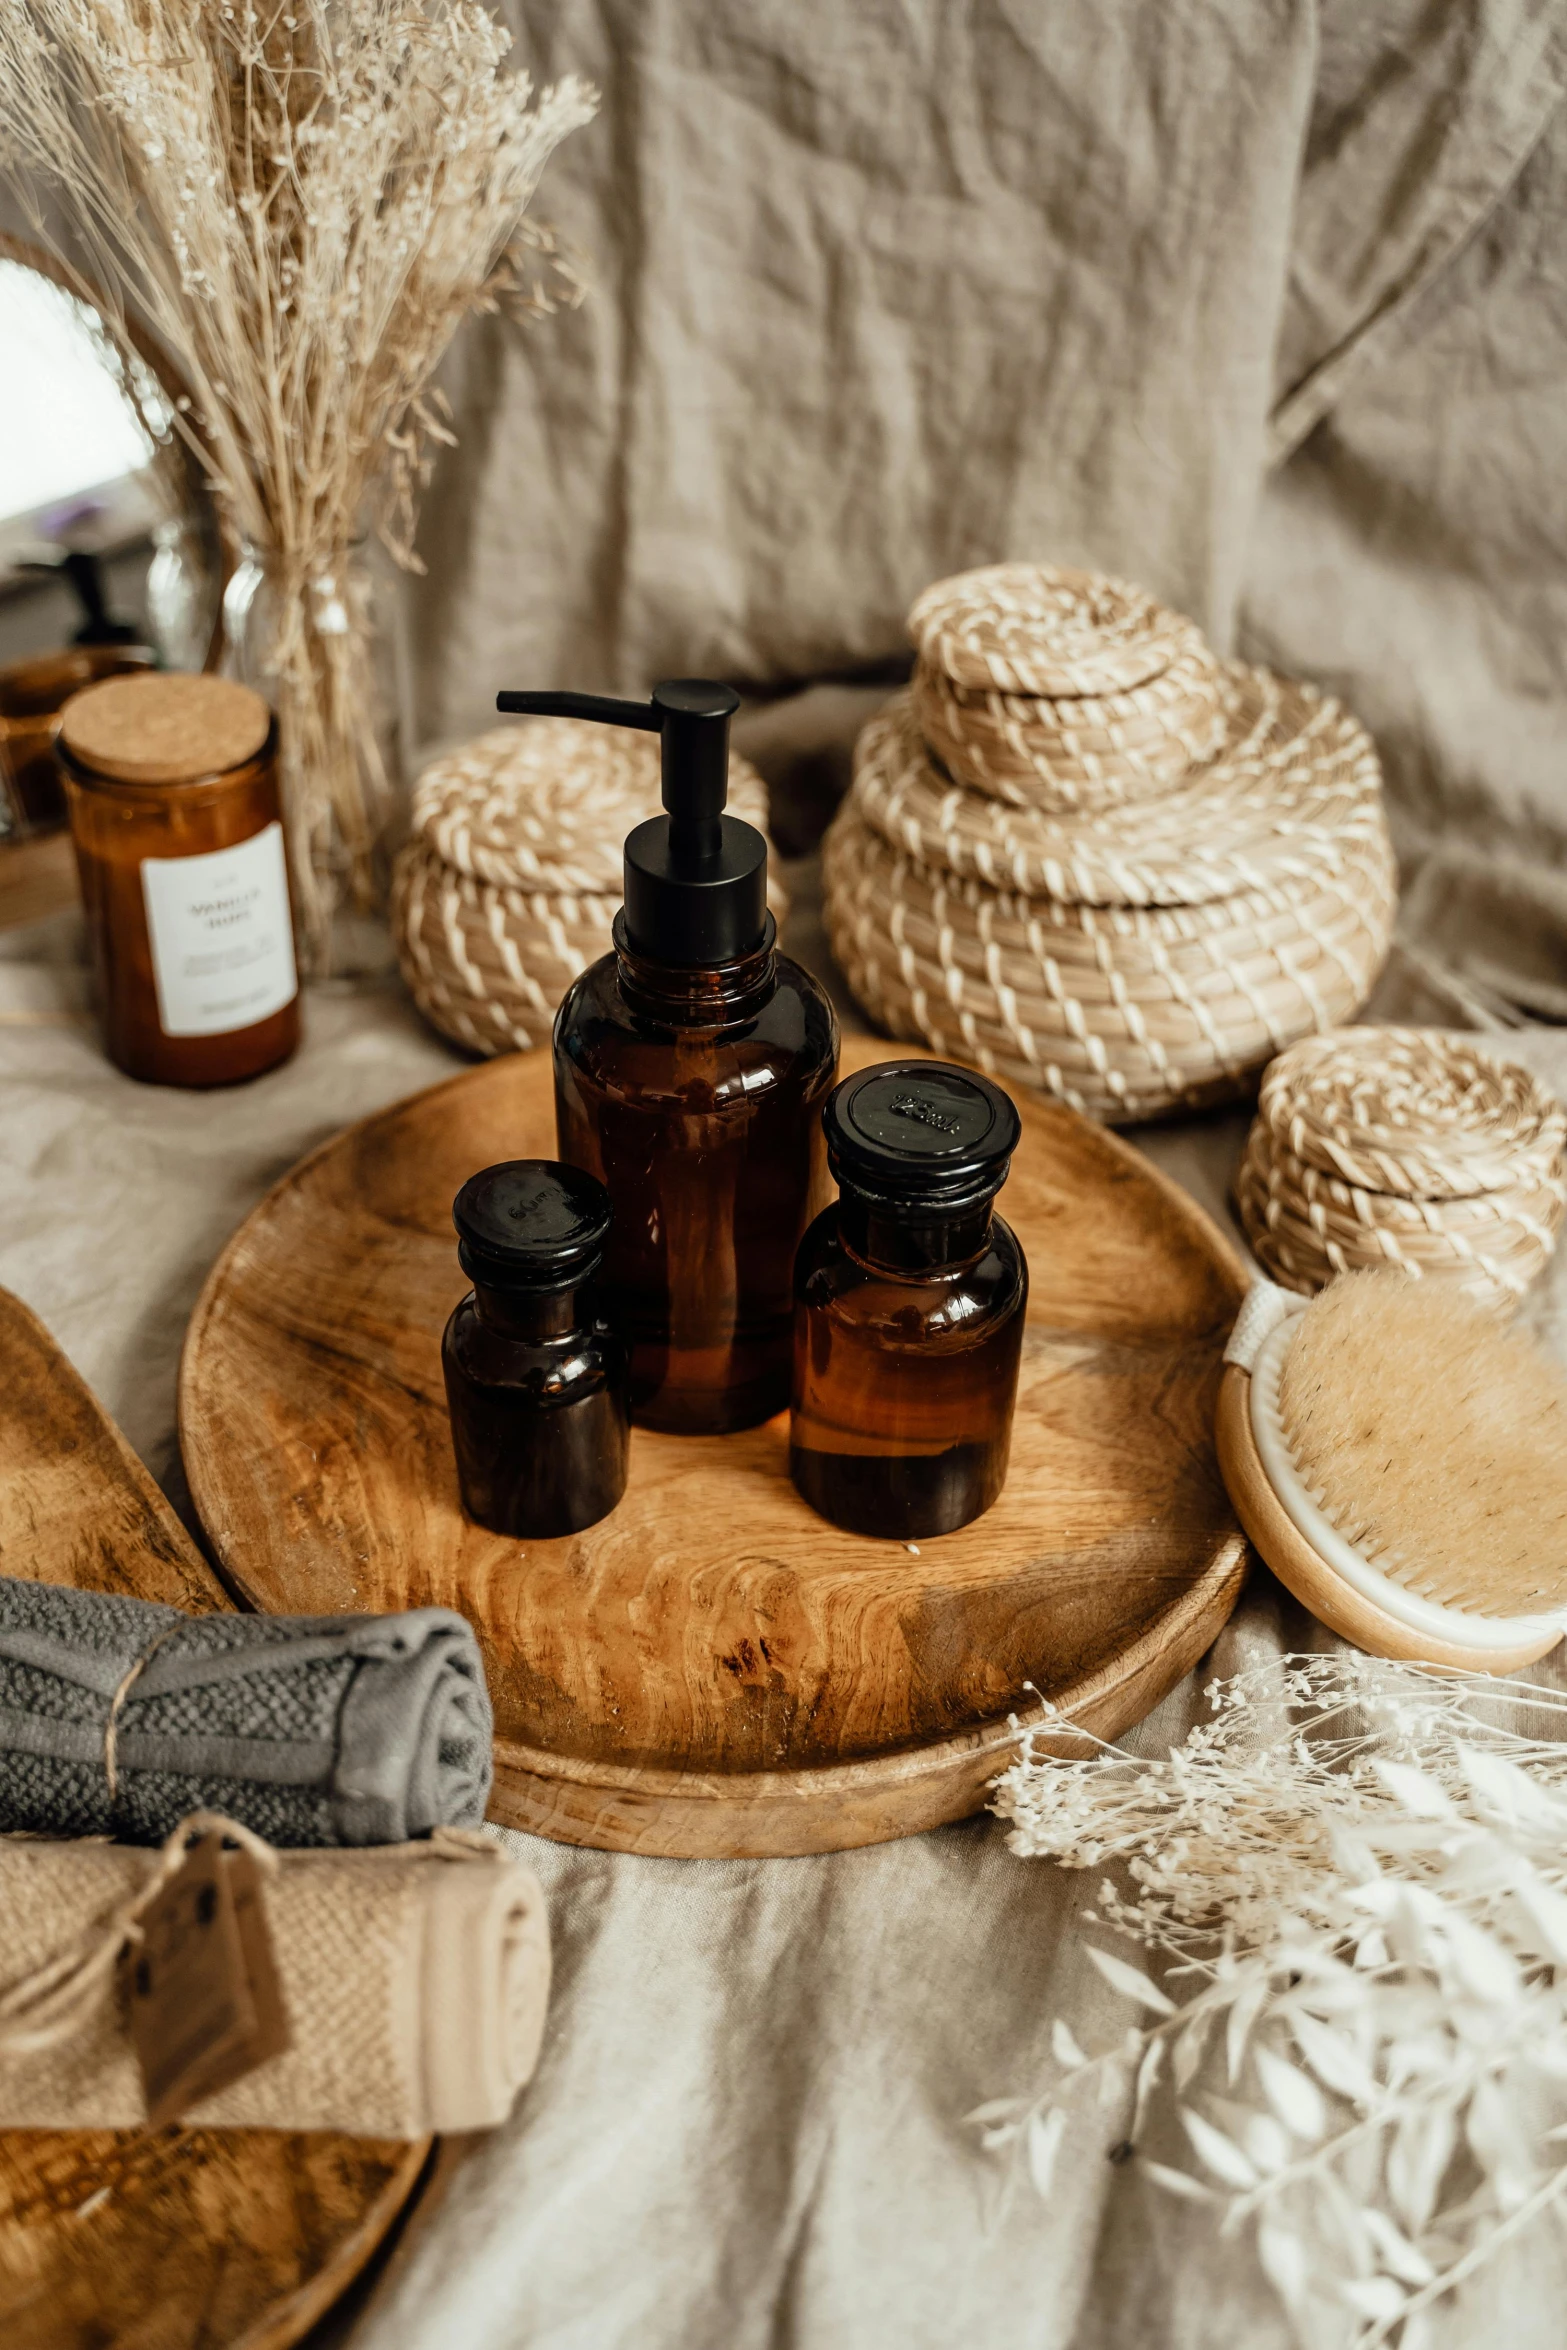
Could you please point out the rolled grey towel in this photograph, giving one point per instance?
(308, 1729)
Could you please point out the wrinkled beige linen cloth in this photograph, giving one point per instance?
(747, 2128)
(1260, 302)
(414, 1978)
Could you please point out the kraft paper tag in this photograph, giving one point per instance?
(255, 1938)
(205, 2005)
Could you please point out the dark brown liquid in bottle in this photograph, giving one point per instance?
(906, 1347)
(695, 1096)
(536, 1388)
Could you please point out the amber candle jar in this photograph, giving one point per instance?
(536, 1379)
(171, 782)
(694, 1092)
(909, 1306)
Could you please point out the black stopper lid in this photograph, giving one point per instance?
(920, 1133)
(531, 1224)
(696, 879)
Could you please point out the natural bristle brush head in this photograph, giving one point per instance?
(1434, 1439)
(1399, 1457)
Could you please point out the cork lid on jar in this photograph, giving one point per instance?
(165, 727)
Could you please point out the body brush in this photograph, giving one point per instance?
(1399, 1458)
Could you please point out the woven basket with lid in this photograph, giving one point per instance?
(512, 880)
(1060, 690)
(1131, 953)
(1408, 1147)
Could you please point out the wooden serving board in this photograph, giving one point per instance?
(713, 1669)
(154, 2239)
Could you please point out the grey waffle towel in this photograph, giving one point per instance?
(308, 1729)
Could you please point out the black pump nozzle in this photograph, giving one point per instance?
(85, 573)
(696, 879)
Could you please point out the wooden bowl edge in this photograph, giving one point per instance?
(628, 1807)
(290, 2320)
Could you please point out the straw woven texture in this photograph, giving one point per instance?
(1296, 781)
(512, 880)
(1027, 629)
(1057, 690)
(1404, 1146)
(1132, 958)
(1078, 753)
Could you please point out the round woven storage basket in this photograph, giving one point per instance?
(1409, 1147)
(512, 880)
(1137, 959)
(1026, 628)
(1058, 690)
(1079, 754)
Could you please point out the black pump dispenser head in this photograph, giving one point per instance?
(696, 879)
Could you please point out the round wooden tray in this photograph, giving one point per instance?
(162, 2239)
(713, 1669)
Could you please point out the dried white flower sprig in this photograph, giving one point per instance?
(1355, 1881)
(300, 201)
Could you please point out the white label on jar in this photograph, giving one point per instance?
(222, 942)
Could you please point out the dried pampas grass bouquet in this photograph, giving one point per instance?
(299, 204)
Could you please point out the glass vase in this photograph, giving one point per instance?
(302, 630)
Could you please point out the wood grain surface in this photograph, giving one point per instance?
(154, 2239)
(713, 1669)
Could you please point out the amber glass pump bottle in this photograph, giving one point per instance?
(690, 1069)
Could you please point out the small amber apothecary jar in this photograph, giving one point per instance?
(909, 1304)
(537, 1378)
(172, 787)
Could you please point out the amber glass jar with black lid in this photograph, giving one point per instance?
(172, 787)
(909, 1306)
(536, 1372)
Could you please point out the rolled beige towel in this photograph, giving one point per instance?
(414, 1978)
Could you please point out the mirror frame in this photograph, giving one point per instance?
(158, 363)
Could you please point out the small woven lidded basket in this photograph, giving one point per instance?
(1133, 909)
(1059, 690)
(1409, 1147)
(512, 880)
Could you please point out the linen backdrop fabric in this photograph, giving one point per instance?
(1261, 302)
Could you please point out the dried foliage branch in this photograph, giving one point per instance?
(1358, 1871)
(300, 202)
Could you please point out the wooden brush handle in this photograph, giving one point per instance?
(1307, 1574)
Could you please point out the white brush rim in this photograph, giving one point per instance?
(1455, 1625)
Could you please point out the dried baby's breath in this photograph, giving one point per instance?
(300, 202)
(1353, 1884)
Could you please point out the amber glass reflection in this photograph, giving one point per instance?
(536, 1387)
(907, 1336)
(32, 694)
(114, 826)
(695, 1097)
